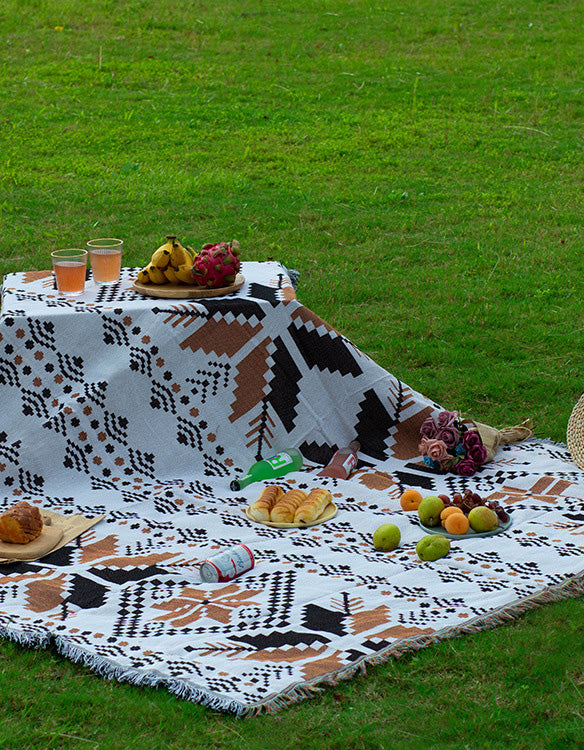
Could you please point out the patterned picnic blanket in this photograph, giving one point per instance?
(144, 409)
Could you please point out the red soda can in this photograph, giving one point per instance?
(227, 565)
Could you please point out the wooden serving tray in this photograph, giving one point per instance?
(329, 512)
(184, 291)
(49, 537)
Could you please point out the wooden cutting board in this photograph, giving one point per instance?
(50, 536)
(183, 291)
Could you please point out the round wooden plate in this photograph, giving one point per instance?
(329, 512)
(184, 291)
(50, 536)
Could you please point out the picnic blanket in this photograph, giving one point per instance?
(143, 411)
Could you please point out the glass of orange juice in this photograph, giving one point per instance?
(105, 256)
(70, 267)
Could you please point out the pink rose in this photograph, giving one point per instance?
(446, 419)
(466, 467)
(428, 428)
(423, 446)
(436, 450)
(450, 436)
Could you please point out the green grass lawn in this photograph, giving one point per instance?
(421, 165)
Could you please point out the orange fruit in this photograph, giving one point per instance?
(456, 523)
(448, 511)
(410, 500)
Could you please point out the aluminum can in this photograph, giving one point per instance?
(227, 565)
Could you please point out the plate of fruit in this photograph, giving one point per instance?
(462, 515)
(178, 272)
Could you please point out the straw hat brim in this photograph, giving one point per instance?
(575, 433)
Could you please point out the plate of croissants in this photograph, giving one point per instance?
(24, 534)
(292, 509)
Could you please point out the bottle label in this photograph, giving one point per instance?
(349, 463)
(279, 460)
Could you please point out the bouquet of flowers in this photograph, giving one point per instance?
(449, 444)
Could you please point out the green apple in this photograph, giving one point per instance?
(387, 537)
(482, 519)
(432, 547)
(429, 510)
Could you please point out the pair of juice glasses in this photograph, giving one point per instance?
(70, 266)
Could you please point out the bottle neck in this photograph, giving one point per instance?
(239, 484)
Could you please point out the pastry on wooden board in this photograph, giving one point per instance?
(21, 523)
(283, 511)
(260, 510)
(313, 505)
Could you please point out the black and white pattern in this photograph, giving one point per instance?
(144, 410)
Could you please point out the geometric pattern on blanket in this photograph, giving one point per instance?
(145, 409)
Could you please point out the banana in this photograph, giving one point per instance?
(156, 275)
(191, 252)
(178, 255)
(143, 277)
(161, 257)
(184, 275)
(170, 274)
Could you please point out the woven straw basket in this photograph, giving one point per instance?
(575, 435)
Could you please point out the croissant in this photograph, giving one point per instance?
(260, 510)
(311, 508)
(21, 523)
(283, 511)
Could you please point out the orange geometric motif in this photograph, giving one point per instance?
(139, 561)
(377, 480)
(545, 489)
(369, 618)
(44, 595)
(221, 336)
(250, 381)
(329, 664)
(193, 604)
(106, 546)
(305, 315)
(30, 276)
(397, 632)
(286, 654)
(407, 435)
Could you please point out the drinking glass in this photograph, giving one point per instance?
(70, 267)
(105, 256)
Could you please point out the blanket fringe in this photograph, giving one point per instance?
(572, 588)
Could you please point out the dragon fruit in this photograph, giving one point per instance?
(217, 265)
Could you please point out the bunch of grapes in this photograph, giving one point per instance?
(470, 500)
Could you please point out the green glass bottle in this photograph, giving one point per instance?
(270, 468)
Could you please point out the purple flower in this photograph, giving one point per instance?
(478, 453)
(471, 437)
(428, 428)
(466, 467)
(450, 436)
(446, 419)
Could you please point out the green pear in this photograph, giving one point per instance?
(432, 547)
(429, 510)
(482, 519)
(387, 537)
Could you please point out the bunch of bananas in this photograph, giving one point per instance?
(170, 264)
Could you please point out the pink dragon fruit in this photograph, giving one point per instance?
(217, 265)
